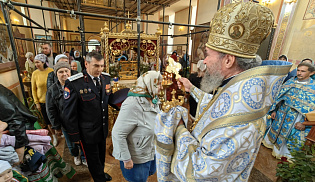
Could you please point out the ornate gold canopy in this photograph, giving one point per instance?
(112, 44)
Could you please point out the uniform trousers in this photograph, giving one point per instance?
(95, 157)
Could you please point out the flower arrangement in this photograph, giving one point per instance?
(301, 167)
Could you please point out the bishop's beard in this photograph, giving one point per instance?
(211, 82)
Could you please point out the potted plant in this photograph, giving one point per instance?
(301, 167)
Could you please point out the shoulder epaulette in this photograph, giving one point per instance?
(75, 77)
(106, 74)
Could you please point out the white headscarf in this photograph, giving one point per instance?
(147, 84)
(75, 52)
(28, 55)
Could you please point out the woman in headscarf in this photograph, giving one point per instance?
(77, 57)
(75, 65)
(39, 89)
(29, 63)
(133, 132)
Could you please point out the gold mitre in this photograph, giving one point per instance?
(239, 28)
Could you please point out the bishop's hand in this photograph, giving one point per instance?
(187, 84)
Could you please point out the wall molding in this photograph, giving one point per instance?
(282, 30)
(5, 67)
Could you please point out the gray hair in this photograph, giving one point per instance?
(95, 55)
(245, 63)
(29, 54)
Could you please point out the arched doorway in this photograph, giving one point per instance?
(93, 44)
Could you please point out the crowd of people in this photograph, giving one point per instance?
(231, 95)
(49, 73)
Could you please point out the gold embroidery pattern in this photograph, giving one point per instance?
(232, 32)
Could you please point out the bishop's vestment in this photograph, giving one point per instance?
(225, 142)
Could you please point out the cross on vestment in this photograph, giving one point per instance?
(219, 149)
(215, 169)
(247, 138)
(219, 105)
(257, 93)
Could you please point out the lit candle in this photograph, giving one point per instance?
(170, 78)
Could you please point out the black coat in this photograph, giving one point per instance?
(54, 105)
(85, 110)
(18, 117)
(52, 78)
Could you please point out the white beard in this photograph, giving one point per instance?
(211, 82)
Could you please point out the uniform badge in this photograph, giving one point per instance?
(81, 91)
(89, 90)
(85, 90)
(66, 93)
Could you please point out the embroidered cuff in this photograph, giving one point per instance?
(164, 149)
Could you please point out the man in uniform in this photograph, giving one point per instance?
(87, 96)
(230, 122)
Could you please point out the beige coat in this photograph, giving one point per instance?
(133, 132)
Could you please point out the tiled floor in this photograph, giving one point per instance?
(111, 166)
(264, 169)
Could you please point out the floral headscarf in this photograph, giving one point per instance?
(146, 85)
(42, 58)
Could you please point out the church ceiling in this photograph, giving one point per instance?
(115, 7)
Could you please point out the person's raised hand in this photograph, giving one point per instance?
(184, 82)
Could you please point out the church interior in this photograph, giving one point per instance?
(136, 36)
